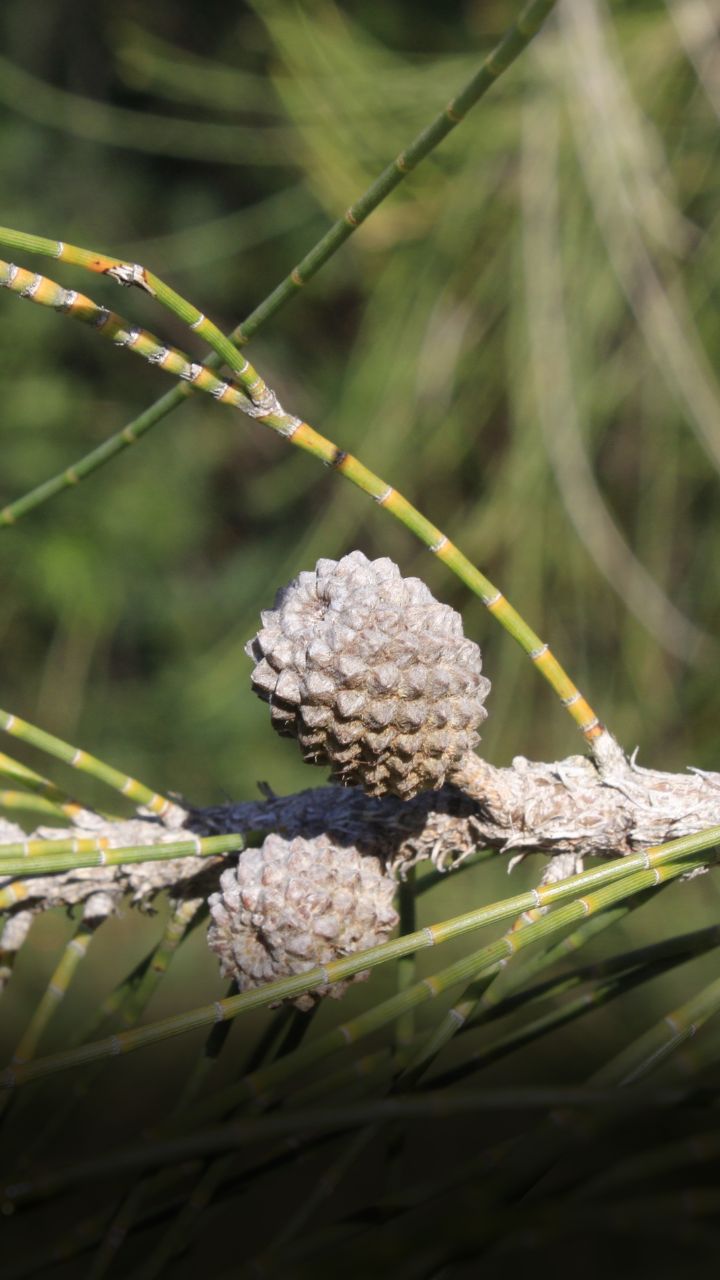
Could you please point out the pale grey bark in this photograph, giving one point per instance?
(604, 806)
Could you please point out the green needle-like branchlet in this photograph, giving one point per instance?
(636, 872)
(42, 787)
(261, 402)
(252, 395)
(86, 763)
(47, 857)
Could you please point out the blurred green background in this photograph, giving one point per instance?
(522, 340)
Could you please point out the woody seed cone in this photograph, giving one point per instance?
(294, 904)
(371, 675)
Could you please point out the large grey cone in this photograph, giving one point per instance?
(371, 674)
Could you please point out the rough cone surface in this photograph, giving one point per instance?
(371, 674)
(294, 904)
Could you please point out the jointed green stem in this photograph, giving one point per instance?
(495, 1000)
(636, 872)
(478, 999)
(43, 787)
(264, 403)
(610, 978)
(82, 760)
(177, 926)
(126, 1005)
(268, 1084)
(26, 803)
(652, 1048)
(54, 993)
(502, 56)
(47, 857)
(265, 407)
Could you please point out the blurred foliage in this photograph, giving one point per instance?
(216, 146)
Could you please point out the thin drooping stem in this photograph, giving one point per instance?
(636, 872)
(206, 141)
(264, 406)
(86, 763)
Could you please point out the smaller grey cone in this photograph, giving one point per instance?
(293, 904)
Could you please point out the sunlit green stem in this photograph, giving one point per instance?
(45, 857)
(127, 274)
(35, 782)
(82, 760)
(177, 926)
(26, 803)
(515, 990)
